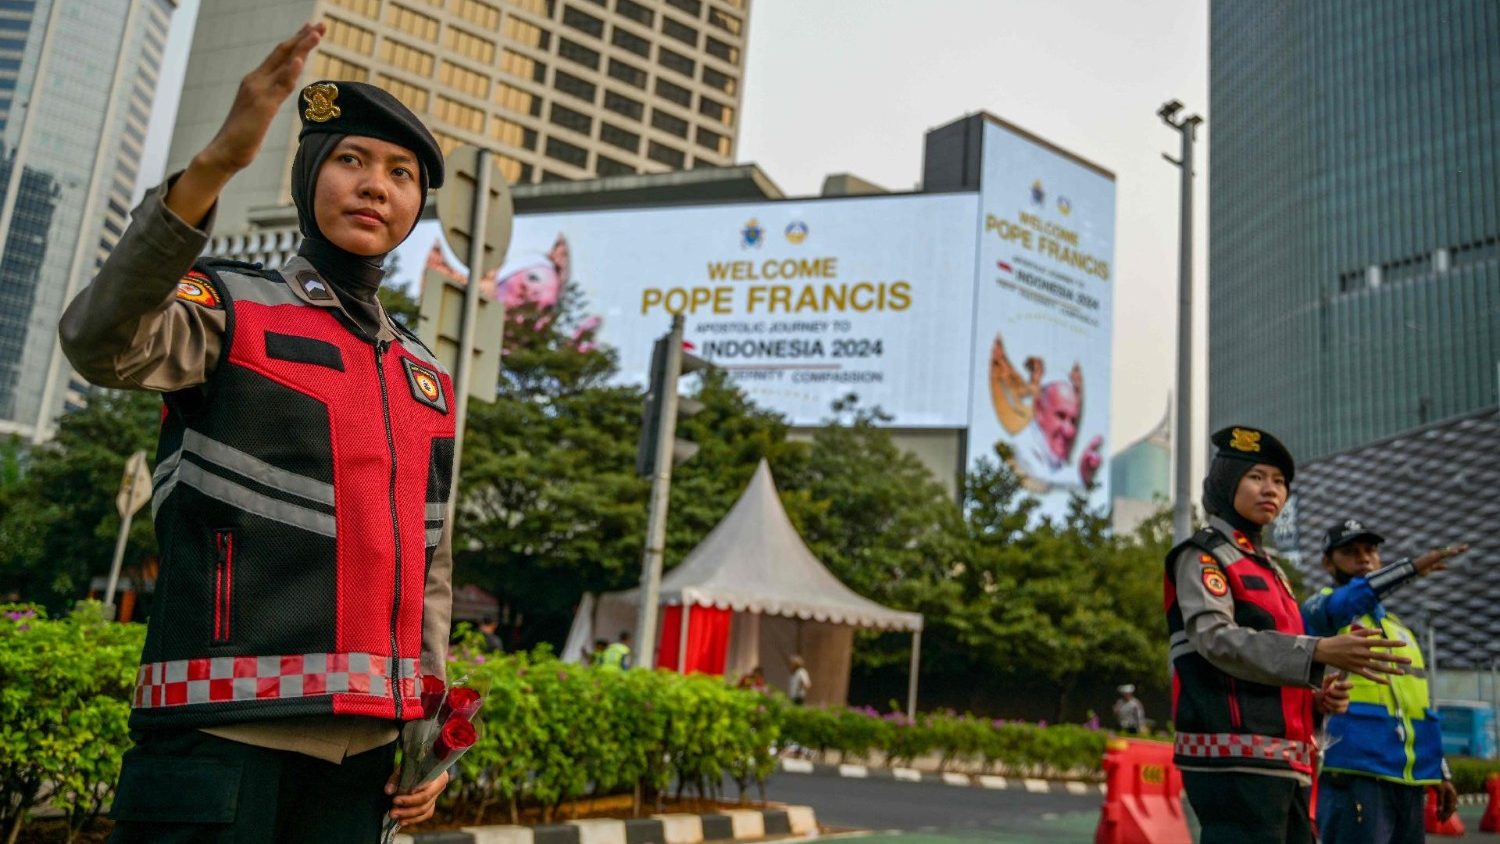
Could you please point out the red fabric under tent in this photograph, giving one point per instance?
(756, 596)
(707, 639)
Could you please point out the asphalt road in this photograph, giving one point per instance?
(925, 807)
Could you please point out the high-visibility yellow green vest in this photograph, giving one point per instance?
(1390, 732)
(614, 656)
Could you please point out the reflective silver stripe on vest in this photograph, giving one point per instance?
(251, 501)
(1244, 746)
(1179, 645)
(434, 536)
(240, 678)
(437, 511)
(174, 470)
(256, 469)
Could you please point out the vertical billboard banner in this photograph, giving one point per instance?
(1043, 306)
(802, 302)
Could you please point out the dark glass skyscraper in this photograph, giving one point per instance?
(1354, 216)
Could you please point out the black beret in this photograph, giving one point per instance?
(358, 108)
(1241, 442)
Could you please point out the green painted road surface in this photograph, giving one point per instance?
(1078, 828)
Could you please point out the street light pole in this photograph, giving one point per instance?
(1182, 510)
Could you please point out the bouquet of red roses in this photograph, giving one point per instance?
(433, 744)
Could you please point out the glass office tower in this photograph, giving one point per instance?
(1354, 231)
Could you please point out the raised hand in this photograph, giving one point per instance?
(1361, 652)
(260, 95)
(1437, 559)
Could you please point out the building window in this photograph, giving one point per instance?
(463, 80)
(718, 111)
(621, 104)
(479, 13)
(525, 33)
(350, 37)
(669, 123)
(570, 119)
(606, 166)
(617, 137)
(583, 22)
(325, 66)
(692, 7)
(517, 101)
(578, 53)
(664, 154)
(542, 8)
(718, 49)
(627, 73)
(513, 133)
(682, 32)
(549, 176)
(709, 139)
(513, 170)
(673, 93)
(560, 150)
(632, 10)
(406, 58)
(630, 41)
(676, 61)
(468, 44)
(364, 8)
(457, 114)
(573, 86)
(725, 21)
(412, 23)
(410, 95)
(523, 66)
(721, 81)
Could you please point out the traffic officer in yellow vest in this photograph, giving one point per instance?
(1387, 747)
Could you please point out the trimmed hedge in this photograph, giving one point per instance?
(1469, 775)
(552, 732)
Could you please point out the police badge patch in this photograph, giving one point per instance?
(196, 288)
(426, 386)
(1214, 582)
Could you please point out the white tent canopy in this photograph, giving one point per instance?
(754, 563)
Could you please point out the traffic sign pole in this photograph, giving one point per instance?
(464, 368)
(135, 491)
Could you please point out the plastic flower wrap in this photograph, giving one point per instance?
(432, 745)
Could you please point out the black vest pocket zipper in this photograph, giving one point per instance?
(223, 585)
(1235, 720)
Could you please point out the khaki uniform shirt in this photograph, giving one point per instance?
(129, 330)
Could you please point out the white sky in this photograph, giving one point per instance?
(836, 86)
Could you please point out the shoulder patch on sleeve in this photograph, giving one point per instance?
(1214, 582)
(196, 287)
(1207, 560)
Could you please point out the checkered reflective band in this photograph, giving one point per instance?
(1244, 746)
(220, 679)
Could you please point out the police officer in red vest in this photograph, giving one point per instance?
(1247, 684)
(301, 481)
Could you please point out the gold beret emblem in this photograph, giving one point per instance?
(1243, 440)
(319, 98)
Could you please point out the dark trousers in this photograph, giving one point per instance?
(188, 787)
(1236, 808)
(1366, 810)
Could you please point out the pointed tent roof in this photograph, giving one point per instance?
(754, 561)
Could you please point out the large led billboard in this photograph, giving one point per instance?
(1043, 306)
(802, 301)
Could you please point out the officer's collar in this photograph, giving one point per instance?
(307, 284)
(1237, 537)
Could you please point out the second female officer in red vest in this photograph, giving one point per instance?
(1247, 684)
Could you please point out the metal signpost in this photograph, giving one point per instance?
(135, 491)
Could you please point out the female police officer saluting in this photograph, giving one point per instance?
(1247, 683)
(301, 480)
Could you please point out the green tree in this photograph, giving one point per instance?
(59, 522)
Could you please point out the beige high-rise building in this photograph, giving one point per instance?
(560, 89)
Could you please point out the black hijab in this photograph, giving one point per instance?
(1219, 487)
(355, 279)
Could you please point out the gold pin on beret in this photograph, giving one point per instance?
(319, 98)
(1242, 439)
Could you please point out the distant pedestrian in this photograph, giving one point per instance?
(490, 631)
(596, 656)
(754, 680)
(617, 654)
(800, 681)
(1130, 714)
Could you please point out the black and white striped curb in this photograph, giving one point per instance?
(727, 825)
(1028, 784)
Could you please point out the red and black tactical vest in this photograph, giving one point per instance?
(1223, 721)
(299, 497)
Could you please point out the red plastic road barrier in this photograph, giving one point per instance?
(1491, 820)
(1452, 826)
(1143, 795)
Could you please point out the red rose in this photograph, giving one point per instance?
(432, 694)
(456, 736)
(462, 702)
